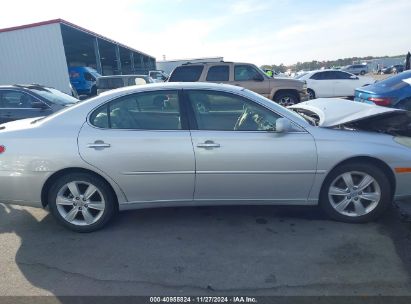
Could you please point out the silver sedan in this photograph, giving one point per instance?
(198, 144)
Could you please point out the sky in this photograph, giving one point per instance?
(256, 31)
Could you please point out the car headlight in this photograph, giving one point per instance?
(403, 140)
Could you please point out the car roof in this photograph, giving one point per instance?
(23, 86)
(120, 76)
(174, 86)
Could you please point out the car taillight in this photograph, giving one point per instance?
(2, 149)
(381, 101)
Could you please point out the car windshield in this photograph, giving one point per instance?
(54, 96)
(300, 76)
(394, 81)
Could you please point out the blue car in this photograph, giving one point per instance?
(393, 92)
(83, 79)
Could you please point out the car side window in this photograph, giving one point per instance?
(146, 111)
(89, 77)
(341, 75)
(317, 76)
(218, 73)
(228, 112)
(186, 73)
(244, 73)
(16, 100)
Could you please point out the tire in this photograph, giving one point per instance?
(349, 204)
(93, 91)
(65, 203)
(286, 98)
(311, 93)
(362, 73)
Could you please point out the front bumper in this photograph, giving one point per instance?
(304, 96)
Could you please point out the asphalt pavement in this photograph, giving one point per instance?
(252, 250)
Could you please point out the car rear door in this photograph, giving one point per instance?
(240, 157)
(142, 142)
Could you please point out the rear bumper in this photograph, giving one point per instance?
(23, 188)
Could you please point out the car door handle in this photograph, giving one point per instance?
(208, 144)
(98, 145)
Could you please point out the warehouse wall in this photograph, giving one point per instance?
(34, 55)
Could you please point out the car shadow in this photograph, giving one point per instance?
(190, 250)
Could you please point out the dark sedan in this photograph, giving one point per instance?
(26, 101)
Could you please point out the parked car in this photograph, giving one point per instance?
(83, 80)
(284, 91)
(24, 101)
(123, 150)
(394, 92)
(106, 83)
(158, 75)
(332, 83)
(356, 69)
(398, 68)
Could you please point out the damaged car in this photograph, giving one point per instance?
(196, 144)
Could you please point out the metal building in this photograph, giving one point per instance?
(42, 52)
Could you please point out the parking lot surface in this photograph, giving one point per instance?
(249, 250)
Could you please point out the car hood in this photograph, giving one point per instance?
(332, 112)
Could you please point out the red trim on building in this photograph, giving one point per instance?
(62, 21)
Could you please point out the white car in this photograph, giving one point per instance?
(333, 83)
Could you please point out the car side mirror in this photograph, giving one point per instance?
(283, 125)
(258, 77)
(39, 105)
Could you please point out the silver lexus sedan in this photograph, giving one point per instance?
(192, 144)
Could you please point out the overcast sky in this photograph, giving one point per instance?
(258, 31)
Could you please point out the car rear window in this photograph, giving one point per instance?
(395, 82)
(109, 83)
(186, 73)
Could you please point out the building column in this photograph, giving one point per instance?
(133, 69)
(98, 58)
(118, 59)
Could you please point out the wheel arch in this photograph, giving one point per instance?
(279, 91)
(369, 160)
(49, 182)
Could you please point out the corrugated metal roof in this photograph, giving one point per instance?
(74, 26)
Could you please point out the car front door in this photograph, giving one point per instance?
(249, 77)
(345, 83)
(240, 156)
(16, 105)
(322, 83)
(141, 142)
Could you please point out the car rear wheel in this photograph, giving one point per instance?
(82, 202)
(355, 193)
(362, 73)
(286, 98)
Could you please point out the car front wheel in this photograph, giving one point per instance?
(356, 193)
(286, 99)
(82, 202)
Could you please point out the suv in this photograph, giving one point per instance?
(284, 91)
(26, 101)
(356, 69)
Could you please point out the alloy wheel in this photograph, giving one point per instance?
(354, 194)
(80, 203)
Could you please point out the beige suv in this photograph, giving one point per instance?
(284, 91)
